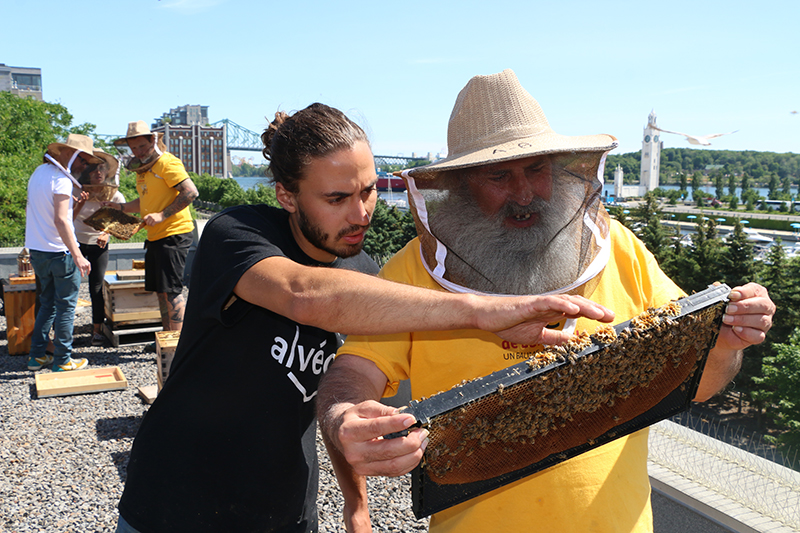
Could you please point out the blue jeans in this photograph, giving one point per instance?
(59, 280)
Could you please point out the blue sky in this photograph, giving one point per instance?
(396, 67)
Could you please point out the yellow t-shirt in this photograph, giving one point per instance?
(156, 191)
(606, 489)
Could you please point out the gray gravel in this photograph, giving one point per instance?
(63, 460)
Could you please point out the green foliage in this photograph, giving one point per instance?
(736, 263)
(227, 192)
(398, 168)
(245, 169)
(390, 230)
(27, 127)
(781, 374)
(650, 228)
(685, 161)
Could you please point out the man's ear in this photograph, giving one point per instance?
(285, 198)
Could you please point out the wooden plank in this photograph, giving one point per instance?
(150, 316)
(132, 300)
(80, 381)
(166, 343)
(21, 280)
(129, 275)
(148, 393)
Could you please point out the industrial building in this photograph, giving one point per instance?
(187, 135)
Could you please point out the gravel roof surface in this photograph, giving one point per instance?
(63, 459)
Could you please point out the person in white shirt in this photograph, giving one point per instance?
(56, 258)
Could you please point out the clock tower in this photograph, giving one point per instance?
(651, 155)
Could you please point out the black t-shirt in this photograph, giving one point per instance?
(229, 444)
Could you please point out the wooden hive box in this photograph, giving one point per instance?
(80, 381)
(126, 301)
(166, 343)
(20, 301)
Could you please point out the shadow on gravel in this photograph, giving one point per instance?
(121, 462)
(124, 427)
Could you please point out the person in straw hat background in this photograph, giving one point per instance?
(55, 254)
(515, 209)
(272, 292)
(165, 193)
(100, 185)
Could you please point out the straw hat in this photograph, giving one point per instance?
(494, 119)
(113, 166)
(81, 143)
(135, 129)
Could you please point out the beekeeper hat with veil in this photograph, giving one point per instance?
(554, 245)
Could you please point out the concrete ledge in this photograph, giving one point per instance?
(120, 255)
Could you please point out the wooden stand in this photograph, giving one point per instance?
(166, 343)
(20, 303)
(132, 314)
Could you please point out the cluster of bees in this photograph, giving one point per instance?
(499, 433)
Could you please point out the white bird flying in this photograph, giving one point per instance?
(702, 140)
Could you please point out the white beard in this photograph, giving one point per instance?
(484, 255)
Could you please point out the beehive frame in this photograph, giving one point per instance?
(439, 481)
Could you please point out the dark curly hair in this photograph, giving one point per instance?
(292, 141)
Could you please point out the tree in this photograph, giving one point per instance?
(773, 187)
(697, 184)
(745, 183)
(27, 127)
(737, 264)
(781, 374)
(679, 264)
(719, 181)
(732, 185)
(652, 231)
(777, 276)
(706, 252)
(389, 232)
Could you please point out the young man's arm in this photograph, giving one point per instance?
(354, 303)
(354, 490)
(352, 419)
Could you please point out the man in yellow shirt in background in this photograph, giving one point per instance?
(165, 193)
(515, 209)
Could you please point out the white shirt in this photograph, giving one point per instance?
(40, 229)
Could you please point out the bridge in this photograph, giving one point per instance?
(242, 139)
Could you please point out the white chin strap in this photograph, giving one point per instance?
(64, 170)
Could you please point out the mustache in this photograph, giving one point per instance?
(510, 209)
(353, 228)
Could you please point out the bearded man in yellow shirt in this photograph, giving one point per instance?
(515, 209)
(165, 193)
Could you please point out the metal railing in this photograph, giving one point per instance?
(731, 463)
